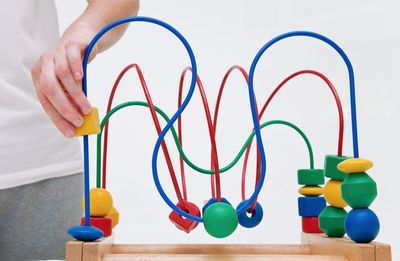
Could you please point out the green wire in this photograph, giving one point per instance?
(179, 147)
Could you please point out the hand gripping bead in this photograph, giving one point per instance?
(250, 219)
(91, 124)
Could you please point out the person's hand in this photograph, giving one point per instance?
(57, 76)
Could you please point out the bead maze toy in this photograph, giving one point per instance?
(323, 227)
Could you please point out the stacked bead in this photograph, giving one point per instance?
(359, 191)
(311, 205)
(103, 214)
(331, 219)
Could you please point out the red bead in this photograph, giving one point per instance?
(183, 223)
(310, 225)
(104, 224)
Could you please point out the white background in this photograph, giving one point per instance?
(223, 33)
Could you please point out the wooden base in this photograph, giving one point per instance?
(313, 247)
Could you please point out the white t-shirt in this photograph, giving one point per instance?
(31, 148)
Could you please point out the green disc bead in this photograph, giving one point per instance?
(359, 190)
(331, 170)
(331, 221)
(311, 177)
(220, 220)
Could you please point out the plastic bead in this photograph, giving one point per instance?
(114, 215)
(252, 219)
(100, 202)
(85, 233)
(220, 220)
(310, 225)
(362, 225)
(333, 193)
(331, 221)
(91, 124)
(104, 224)
(310, 206)
(311, 191)
(359, 190)
(182, 223)
(330, 170)
(212, 201)
(310, 177)
(355, 165)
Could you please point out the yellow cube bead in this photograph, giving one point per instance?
(311, 191)
(101, 202)
(114, 215)
(333, 193)
(91, 124)
(355, 165)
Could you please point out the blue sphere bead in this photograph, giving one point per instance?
(212, 201)
(362, 225)
(255, 217)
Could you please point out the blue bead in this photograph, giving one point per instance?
(212, 201)
(311, 206)
(254, 219)
(362, 225)
(85, 233)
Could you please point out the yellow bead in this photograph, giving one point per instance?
(100, 202)
(355, 165)
(91, 124)
(311, 191)
(114, 215)
(333, 193)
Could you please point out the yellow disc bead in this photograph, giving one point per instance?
(311, 191)
(100, 202)
(355, 165)
(333, 193)
(114, 215)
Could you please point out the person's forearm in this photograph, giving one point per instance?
(98, 14)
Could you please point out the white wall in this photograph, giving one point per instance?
(223, 33)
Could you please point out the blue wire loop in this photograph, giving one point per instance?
(184, 104)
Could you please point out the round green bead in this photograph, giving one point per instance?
(331, 221)
(331, 170)
(220, 220)
(359, 190)
(310, 177)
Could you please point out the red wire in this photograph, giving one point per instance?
(156, 123)
(214, 153)
(340, 112)
(217, 105)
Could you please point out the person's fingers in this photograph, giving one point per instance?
(51, 88)
(74, 56)
(64, 73)
(63, 125)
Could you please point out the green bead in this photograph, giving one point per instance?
(220, 220)
(331, 170)
(359, 190)
(331, 221)
(310, 177)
